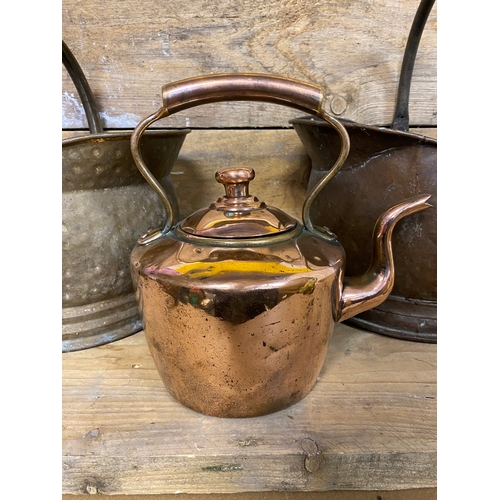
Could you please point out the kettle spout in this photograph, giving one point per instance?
(369, 290)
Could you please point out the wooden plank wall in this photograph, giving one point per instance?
(351, 48)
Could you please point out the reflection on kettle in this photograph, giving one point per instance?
(239, 300)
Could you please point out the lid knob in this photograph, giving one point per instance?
(236, 181)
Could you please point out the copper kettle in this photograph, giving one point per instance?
(238, 301)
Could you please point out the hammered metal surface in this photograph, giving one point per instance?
(106, 206)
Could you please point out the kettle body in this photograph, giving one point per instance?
(238, 331)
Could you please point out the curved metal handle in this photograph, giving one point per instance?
(89, 105)
(401, 120)
(192, 92)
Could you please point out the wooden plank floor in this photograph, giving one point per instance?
(414, 494)
(368, 424)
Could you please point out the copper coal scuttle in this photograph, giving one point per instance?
(238, 301)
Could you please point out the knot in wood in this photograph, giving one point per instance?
(312, 461)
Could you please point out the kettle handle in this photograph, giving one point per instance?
(185, 94)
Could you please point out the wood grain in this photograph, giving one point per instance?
(352, 49)
(368, 424)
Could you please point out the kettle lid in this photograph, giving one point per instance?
(237, 214)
